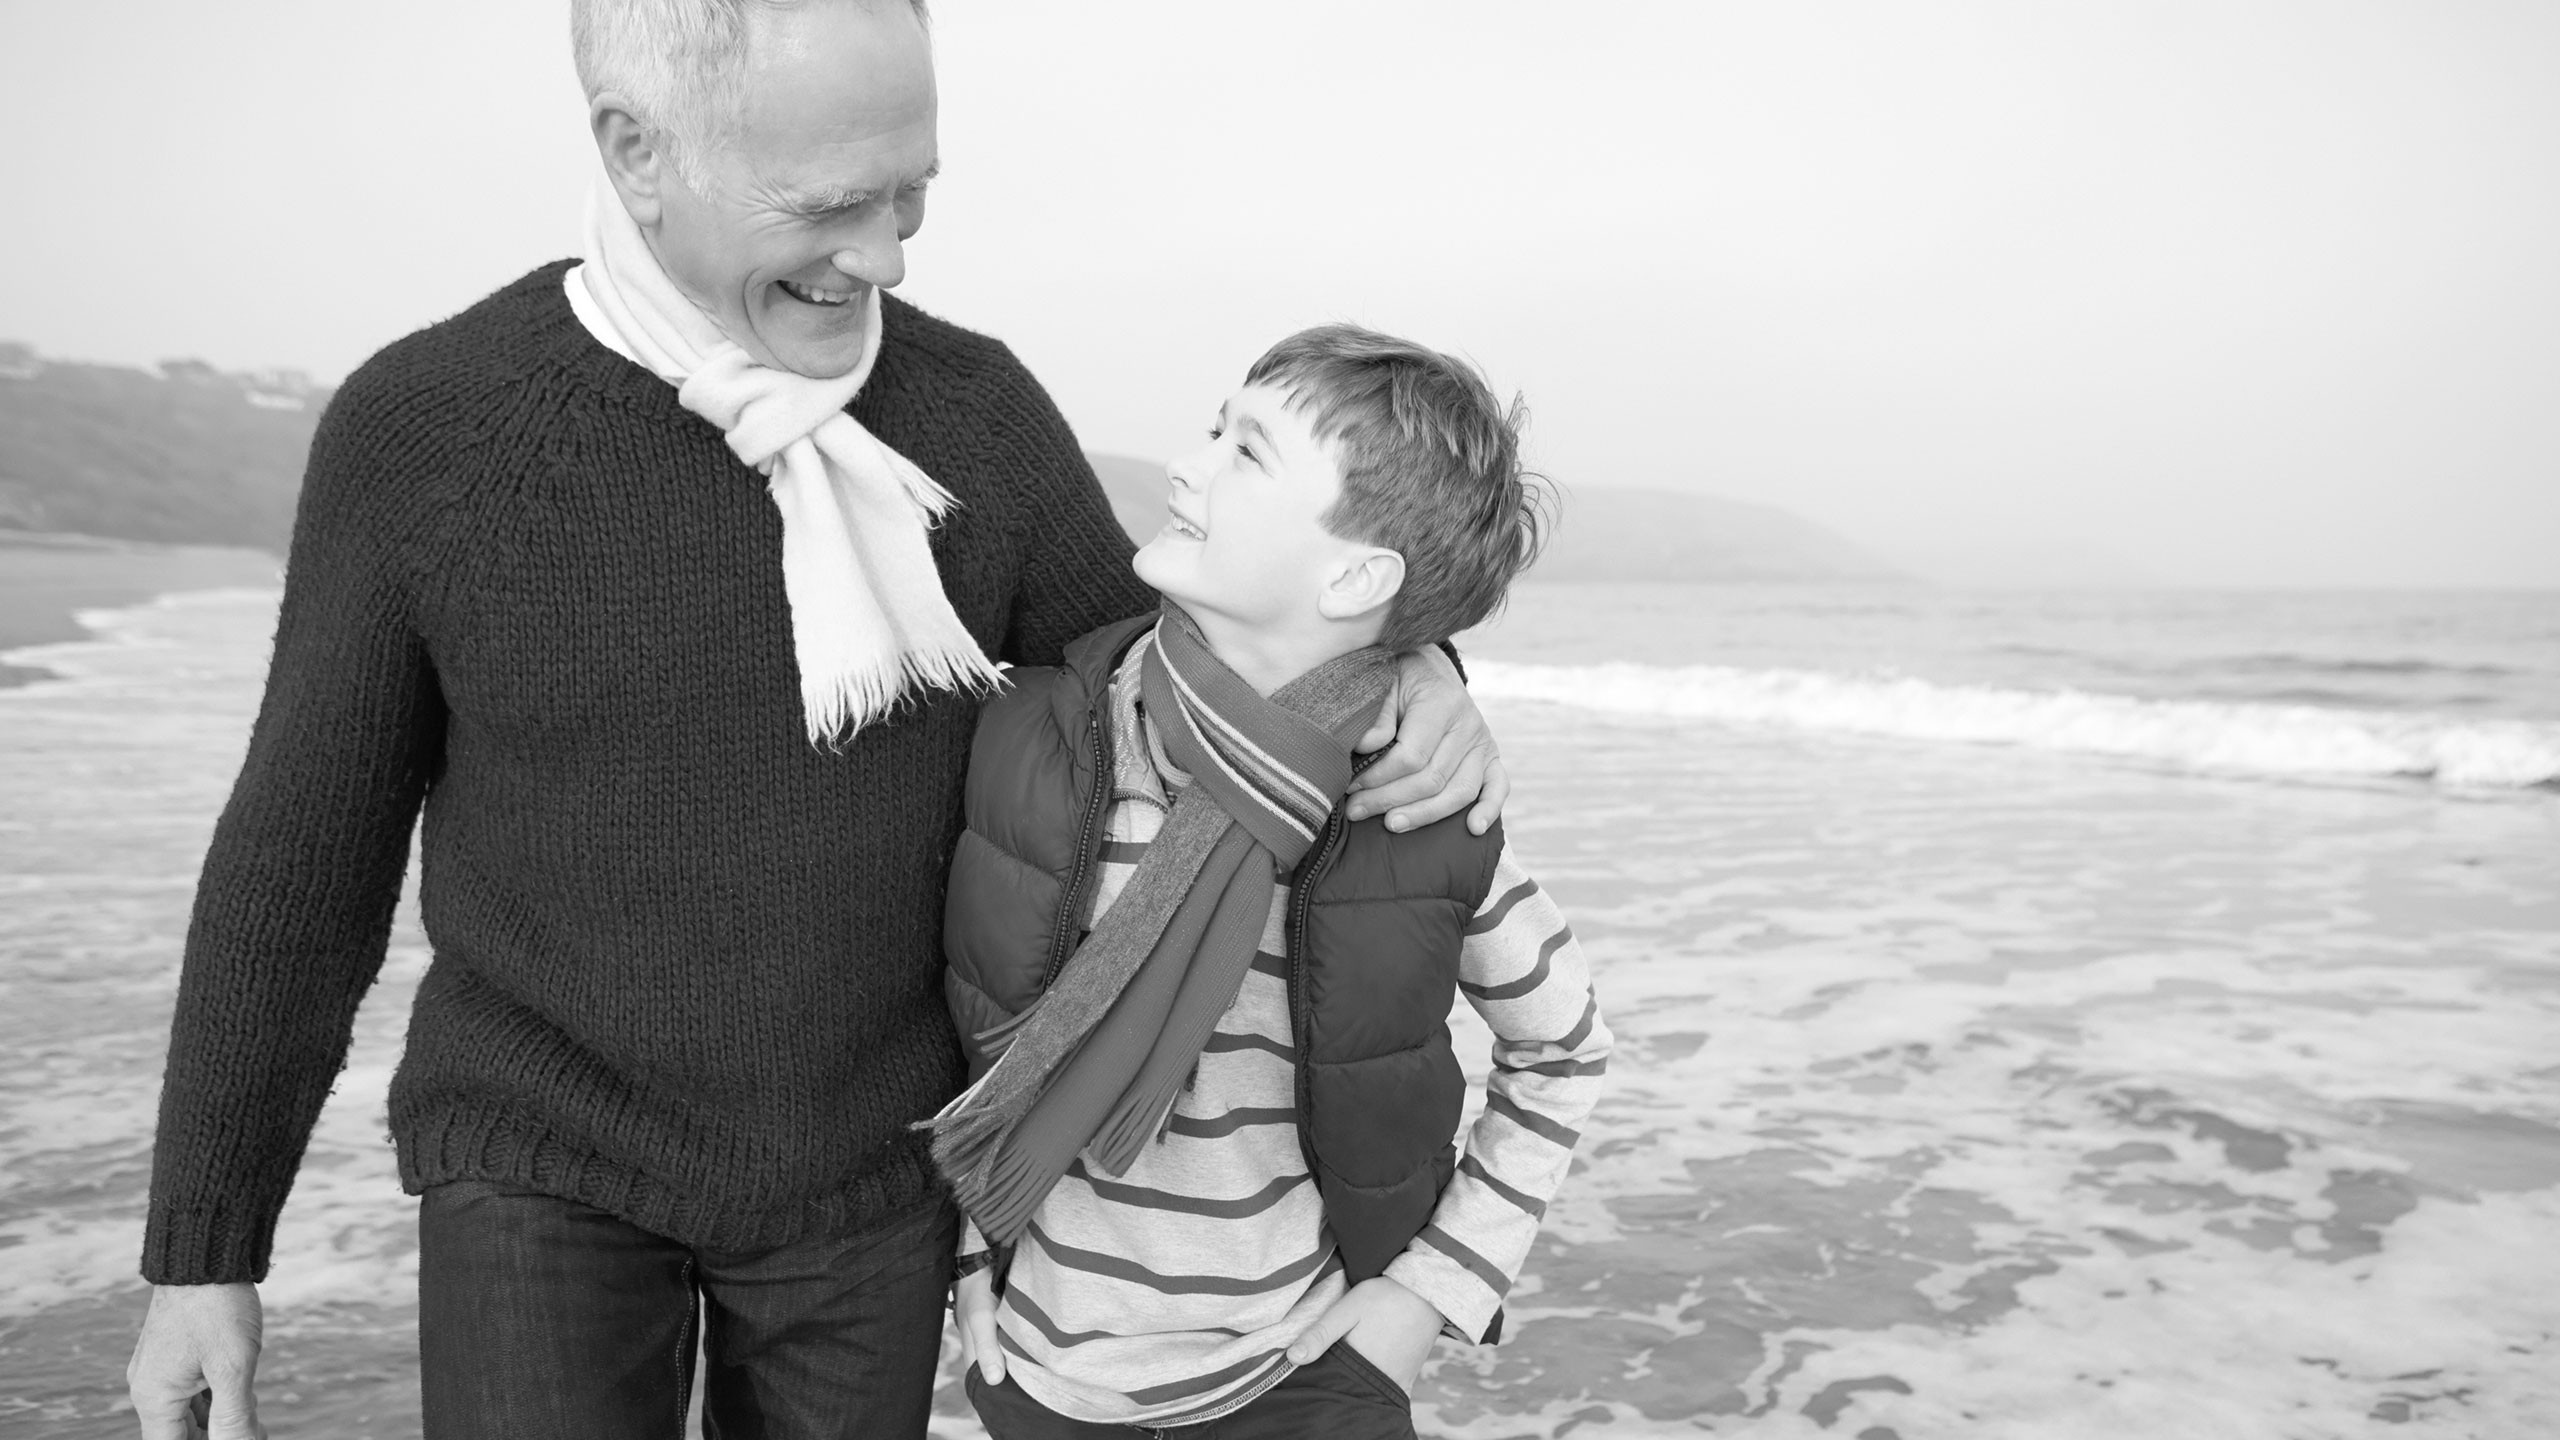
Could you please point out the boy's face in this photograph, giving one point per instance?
(1245, 542)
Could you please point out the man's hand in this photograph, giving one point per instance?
(1390, 1326)
(973, 1304)
(196, 1338)
(1443, 761)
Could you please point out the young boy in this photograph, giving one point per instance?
(1214, 1099)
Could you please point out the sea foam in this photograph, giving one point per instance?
(2222, 737)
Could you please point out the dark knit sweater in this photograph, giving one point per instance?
(687, 967)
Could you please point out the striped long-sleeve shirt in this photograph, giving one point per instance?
(1170, 1294)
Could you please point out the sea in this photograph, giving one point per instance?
(2039, 1015)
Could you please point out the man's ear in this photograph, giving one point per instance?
(1361, 583)
(634, 159)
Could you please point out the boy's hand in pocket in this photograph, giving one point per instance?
(1390, 1326)
(973, 1304)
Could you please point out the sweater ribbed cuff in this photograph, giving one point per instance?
(211, 1245)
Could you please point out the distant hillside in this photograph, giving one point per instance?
(188, 455)
(1611, 534)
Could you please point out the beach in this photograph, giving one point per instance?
(47, 580)
(2038, 1017)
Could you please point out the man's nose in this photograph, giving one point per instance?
(877, 257)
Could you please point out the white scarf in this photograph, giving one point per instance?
(868, 616)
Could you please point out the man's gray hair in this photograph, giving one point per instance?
(679, 64)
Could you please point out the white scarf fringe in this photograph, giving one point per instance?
(869, 621)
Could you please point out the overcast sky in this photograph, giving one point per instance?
(2242, 293)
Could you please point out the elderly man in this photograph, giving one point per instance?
(666, 584)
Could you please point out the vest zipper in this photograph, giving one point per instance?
(1293, 934)
(1061, 938)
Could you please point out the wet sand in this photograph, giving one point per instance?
(46, 580)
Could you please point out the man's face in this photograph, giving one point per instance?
(1246, 541)
(810, 204)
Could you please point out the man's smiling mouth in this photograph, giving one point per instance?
(808, 296)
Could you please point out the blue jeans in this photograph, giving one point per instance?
(1338, 1396)
(540, 1317)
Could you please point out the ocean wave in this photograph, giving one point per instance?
(2225, 737)
(2288, 664)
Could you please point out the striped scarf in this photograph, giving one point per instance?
(1101, 1057)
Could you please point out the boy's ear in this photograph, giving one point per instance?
(1361, 583)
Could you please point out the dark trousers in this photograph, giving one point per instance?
(1339, 1397)
(539, 1317)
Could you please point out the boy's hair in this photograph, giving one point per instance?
(1430, 469)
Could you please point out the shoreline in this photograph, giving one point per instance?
(47, 579)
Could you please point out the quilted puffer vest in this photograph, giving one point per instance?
(1375, 922)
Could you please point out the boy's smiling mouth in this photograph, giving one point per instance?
(1184, 528)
